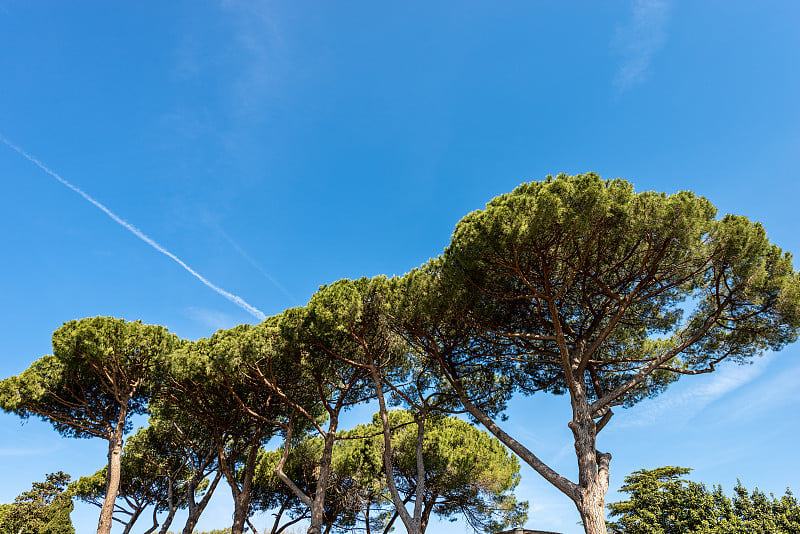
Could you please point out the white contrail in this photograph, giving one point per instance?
(239, 301)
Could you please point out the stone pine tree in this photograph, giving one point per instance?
(179, 435)
(153, 474)
(159, 452)
(302, 466)
(580, 286)
(468, 473)
(97, 378)
(354, 327)
(206, 381)
(302, 361)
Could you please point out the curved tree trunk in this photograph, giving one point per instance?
(155, 522)
(168, 520)
(134, 516)
(278, 517)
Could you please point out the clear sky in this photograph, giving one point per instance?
(276, 146)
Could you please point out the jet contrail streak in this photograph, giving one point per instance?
(239, 301)
(255, 264)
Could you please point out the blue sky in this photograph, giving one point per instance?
(277, 146)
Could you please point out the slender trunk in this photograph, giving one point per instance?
(134, 516)
(168, 520)
(408, 521)
(388, 527)
(289, 523)
(113, 477)
(287, 446)
(426, 514)
(236, 493)
(589, 494)
(278, 516)
(241, 496)
(155, 522)
(566, 486)
(420, 493)
(171, 506)
(196, 509)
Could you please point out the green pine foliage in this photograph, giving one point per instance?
(661, 502)
(572, 285)
(469, 474)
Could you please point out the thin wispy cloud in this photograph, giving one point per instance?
(693, 400)
(29, 451)
(239, 301)
(255, 264)
(548, 506)
(254, 59)
(777, 392)
(14, 443)
(640, 40)
(212, 318)
(261, 51)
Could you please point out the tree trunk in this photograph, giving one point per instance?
(420, 492)
(426, 514)
(318, 504)
(388, 527)
(171, 505)
(114, 466)
(241, 496)
(155, 522)
(288, 524)
(168, 520)
(278, 516)
(239, 517)
(593, 517)
(134, 516)
(592, 465)
(411, 526)
(239, 511)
